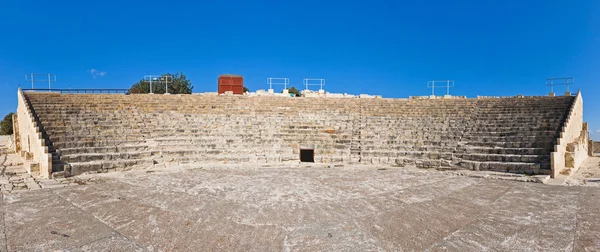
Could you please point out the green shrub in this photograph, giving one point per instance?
(6, 126)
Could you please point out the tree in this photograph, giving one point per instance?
(246, 90)
(293, 90)
(6, 126)
(178, 84)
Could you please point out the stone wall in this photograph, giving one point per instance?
(31, 144)
(595, 147)
(571, 149)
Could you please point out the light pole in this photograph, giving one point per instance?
(167, 79)
(159, 78)
(150, 78)
(32, 77)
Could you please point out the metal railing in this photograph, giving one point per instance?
(80, 91)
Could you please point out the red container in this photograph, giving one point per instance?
(231, 82)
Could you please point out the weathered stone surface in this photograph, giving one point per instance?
(42, 221)
(350, 208)
(113, 243)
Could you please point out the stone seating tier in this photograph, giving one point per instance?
(99, 132)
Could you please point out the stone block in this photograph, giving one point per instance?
(569, 159)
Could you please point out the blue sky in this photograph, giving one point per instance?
(391, 48)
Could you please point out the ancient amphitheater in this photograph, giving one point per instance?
(233, 172)
(102, 132)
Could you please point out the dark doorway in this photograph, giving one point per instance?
(307, 155)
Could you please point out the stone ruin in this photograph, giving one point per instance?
(70, 134)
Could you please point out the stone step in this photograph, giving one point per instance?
(526, 168)
(515, 138)
(545, 143)
(106, 149)
(497, 150)
(88, 157)
(111, 143)
(103, 166)
(508, 158)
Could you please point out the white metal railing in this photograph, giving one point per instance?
(278, 81)
(313, 82)
(440, 84)
(559, 82)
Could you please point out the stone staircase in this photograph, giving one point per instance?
(102, 132)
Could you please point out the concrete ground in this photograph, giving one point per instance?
(588, 174)
(297, 208)
(301, 208)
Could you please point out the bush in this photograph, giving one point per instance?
(179, 84)
(293, 90)
(6, 126)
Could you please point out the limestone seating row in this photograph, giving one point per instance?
(521, 104)
(111, 143)
(221, 111)
(430, 129)
(545, 131)
(514, 125)
(428, 137)
(112, 104)
(195, 118)
(462, 149)
(503, 137)
(497, 150)
(87, 157)
(90, 157)
(538, 144)
(416, 113)
(529, 168)
(410, 154)
(452, 155)
(79, 168)
(431, 148)
(184, 105)
(515, 115)
(393, 134)
(524, 121)
(504, 157)
(109, 149)
(508, 109)
(514, 138)
(59, 139)
(529, 119)
(409, 142)
(197, 122)
(211, 100)
(410, 123)
(531, 110)
(507, 133)
(116, 142)
(165, 132)
(492, 112)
